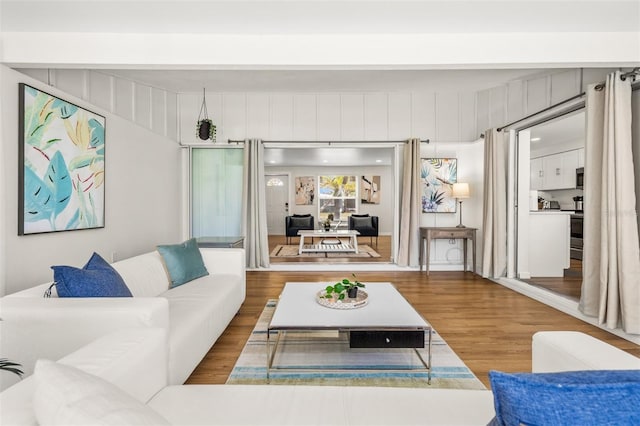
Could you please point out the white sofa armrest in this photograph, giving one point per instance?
(135, 360)
(54, 327)
(554, 351)
(224, 260)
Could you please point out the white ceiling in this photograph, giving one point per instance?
(568, 128)
(317, 16)
(376, 20)
(323, 81)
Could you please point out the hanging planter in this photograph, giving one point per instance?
(205, 129)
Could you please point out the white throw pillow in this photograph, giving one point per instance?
(65, 395)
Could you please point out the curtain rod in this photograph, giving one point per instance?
(599, 86)
(541, 111)
(324, 142)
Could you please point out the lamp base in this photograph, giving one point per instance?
(460, 226)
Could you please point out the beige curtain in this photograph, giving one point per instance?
(410, 206)
(611, 256)
(494, 211)
(254, 213)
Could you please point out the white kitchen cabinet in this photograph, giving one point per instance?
(569, 166)
(552, 167)
(536, 178)
(581, 157)
(557, 171)
(549, 243)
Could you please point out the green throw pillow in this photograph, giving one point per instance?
(183, 261)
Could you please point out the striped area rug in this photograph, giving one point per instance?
(364, 251)
(310, 357)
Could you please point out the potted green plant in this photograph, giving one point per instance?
(343, 289)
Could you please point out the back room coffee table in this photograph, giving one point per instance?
(387, 321)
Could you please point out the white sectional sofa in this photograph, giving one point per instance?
(134, 361)
(194, 314)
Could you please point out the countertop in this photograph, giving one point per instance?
(552, 211)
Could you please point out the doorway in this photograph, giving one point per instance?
(550, 160)
(307, 166)
(277, 200)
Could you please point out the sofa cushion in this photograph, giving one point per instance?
(65, 395)
(576, 397)
(96, 279)
(251, 405)
(199, 314)
(183, 261)
(362, 222)
(145, 274)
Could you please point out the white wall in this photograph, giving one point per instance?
(384, 210)
(447, 119)
(152, 108)
(444, 117)
(447, 255)
(142, 196)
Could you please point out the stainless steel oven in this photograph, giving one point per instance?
(576, 236)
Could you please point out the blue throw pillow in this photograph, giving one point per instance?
(183, 261)
(599, 397)
(96, 279)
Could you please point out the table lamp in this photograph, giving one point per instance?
(460, 191)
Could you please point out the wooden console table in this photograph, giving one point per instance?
(437, 233)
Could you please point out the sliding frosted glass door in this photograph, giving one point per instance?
(216, 192)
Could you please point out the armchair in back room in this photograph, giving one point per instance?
(298, 222)
(366, 225)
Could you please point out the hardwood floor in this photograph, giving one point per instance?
(383, 248)
(570, 285)
(486, 324)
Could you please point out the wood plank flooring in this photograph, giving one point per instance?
(486, 324)
(570, 285)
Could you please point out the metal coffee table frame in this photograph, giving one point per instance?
(272, 348)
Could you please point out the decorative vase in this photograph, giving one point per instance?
(327, 226)
(353, 292)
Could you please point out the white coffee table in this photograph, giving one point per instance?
(351, 247)
(387, 321)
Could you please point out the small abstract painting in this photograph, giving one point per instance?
(370, 189)
(438, 176)
(61, 164)
(305, 190)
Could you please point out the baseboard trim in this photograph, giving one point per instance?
(561, 303)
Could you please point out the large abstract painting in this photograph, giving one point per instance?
(370, 189)
(61, 169)
(305, 190)
(438, 176)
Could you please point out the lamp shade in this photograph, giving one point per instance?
(460, 190)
